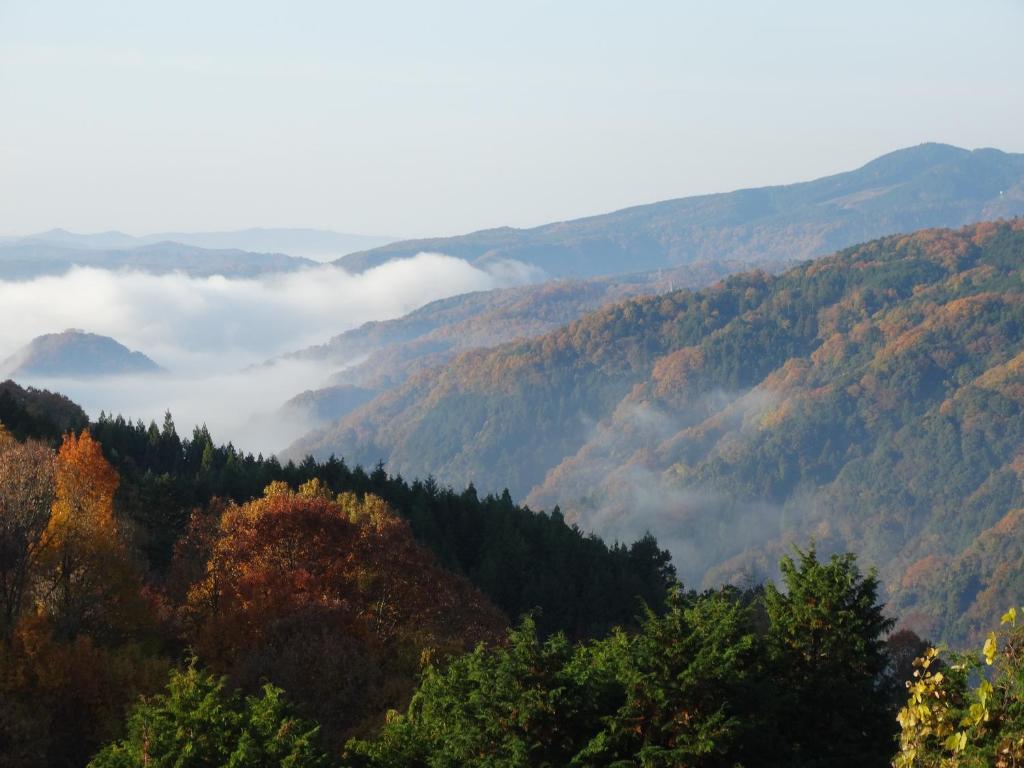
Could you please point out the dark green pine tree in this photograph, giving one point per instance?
(828, 686)
(528, 703)
(685, 676)
(198, 724)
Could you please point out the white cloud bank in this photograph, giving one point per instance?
(204, 325)
(204, 331)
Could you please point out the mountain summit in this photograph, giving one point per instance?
(75, 353)
(930, 185)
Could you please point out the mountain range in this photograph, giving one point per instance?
(871, 399)
(239, 254)
(28, 259)
(318, 244)
(705, 238)
(930, 185)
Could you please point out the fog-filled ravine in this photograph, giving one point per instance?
(213, 336)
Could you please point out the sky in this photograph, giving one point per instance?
(416, 119)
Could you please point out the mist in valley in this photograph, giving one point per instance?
(636, 475)
(217, 338)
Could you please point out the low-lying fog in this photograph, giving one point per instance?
(207, 332)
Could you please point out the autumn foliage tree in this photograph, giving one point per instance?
(967, 709)
(71, 659)
(328, 597)
(523, 561)
(60, 699)
(85, 582)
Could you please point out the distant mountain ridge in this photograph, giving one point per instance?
(930, 185)
(75, 354)
(243, 253)
(28, 259)
(316, 244)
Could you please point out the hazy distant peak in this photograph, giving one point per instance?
(60, 236)
(26, 259)
(293, 241)
(915, 159)
(75, 353)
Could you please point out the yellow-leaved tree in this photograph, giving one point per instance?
(967, 710)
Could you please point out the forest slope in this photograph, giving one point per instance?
(872, 399)
(380, 355)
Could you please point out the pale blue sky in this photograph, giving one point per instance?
(417, 118)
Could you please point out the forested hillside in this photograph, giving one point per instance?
(380, 355)
(930, 185)
(26, 412)
(126, 548)
(871, 399)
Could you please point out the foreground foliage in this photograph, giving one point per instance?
(119, 556)
(720, 679)
(334, 598)
(967, 710)
(197, 723)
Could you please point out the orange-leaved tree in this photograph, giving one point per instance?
(330, 597)
(69, 664)
(85, 580)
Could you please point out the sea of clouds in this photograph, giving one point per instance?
(209, 333)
